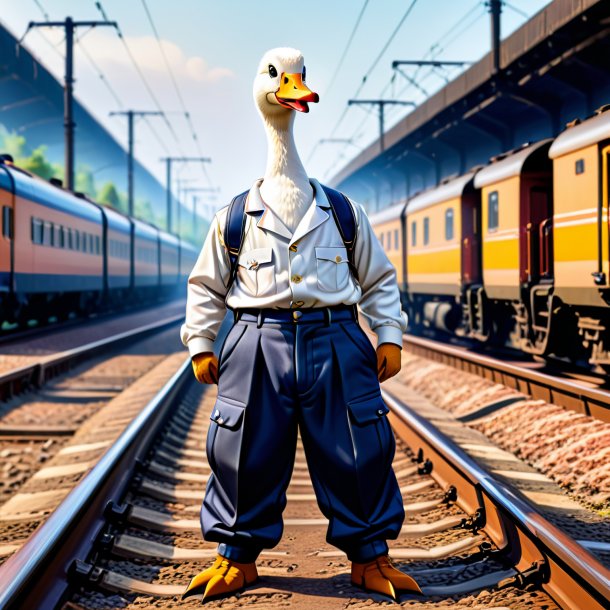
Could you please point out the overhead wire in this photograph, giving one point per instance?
(374, 64)
(187, 114)
(151, 93)
(340, 64)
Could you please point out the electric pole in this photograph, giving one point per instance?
(69, 26)
(196, 189)
(495, 9)
(130, 114)
(381, 104)
(168, 169)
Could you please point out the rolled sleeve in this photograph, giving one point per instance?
(380, 301)
(206, 292)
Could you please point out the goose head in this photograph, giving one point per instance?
(279, 86)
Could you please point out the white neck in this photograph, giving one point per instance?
(285, 186)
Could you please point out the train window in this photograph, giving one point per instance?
(36, 231)
(76, 241)
(97, 244)
(381, 240)
(7, 222)
(449, 224)
(395, 239)
(83, 242)
(413, 233)
(492, 210)
(71, 239)
(389, 236)
(426, 231)
(66, 237)
(47, 238)
(57, 235)
(580, 166)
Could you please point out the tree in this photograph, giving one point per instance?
(109, 196)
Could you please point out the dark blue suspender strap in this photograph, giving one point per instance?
(234, 231)
(345, 221)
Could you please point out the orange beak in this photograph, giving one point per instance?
(293, 93)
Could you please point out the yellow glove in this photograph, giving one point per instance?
(205, 367)
(388, 361)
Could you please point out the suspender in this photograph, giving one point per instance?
(236, 223)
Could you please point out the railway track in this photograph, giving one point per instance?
(40, 369)
(582, 395)
(128, 534)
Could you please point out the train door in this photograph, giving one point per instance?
(471, 238)
(535, 244)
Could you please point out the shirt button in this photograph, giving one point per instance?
(216, 414)
(380, 411)
(293, 248)
(337, 259)
(296, 278)
(296, 315)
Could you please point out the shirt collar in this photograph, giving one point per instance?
(256, 204)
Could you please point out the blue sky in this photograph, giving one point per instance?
(213, 48)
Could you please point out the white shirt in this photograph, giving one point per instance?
(278, 269)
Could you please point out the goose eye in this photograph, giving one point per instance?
(304, 73)
(272, 71)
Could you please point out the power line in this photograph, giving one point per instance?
(187, 114)
(100, 8)
(374, 64)
(100, 74)
(349, 42)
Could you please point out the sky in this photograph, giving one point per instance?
(213, 47)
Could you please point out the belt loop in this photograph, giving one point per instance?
(259, 319)
(235, 316)
(327, 316)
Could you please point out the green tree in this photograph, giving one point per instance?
(84, 182)
(109, 195)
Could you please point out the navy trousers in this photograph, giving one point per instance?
(318, 375)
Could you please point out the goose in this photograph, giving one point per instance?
(279, 90)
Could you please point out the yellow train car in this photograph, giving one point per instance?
(581, 156)
(389, 226)
(442, 251)
(509, 194)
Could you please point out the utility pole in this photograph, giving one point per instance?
(495, 9)
(168, 173)
(130, 114)
(196, 189)
(381, 104)
(69, 26)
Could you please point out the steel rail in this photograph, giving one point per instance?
(562, 392)
(47, 367)
(560, 551)
(35, 576)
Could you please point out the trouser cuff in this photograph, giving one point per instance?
(239, 554)
(368, 552)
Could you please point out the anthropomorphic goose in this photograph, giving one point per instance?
(279, 93)
(279, 90)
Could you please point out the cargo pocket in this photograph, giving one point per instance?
(224, 444)
(256, 271)
(332, 268)
(372, 436)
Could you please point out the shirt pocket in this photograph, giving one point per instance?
(256, 272)
(332, 268)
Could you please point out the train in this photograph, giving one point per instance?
(514, 252)
(61, 252)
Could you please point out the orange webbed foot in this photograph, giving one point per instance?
(224, 576)
(380, 576)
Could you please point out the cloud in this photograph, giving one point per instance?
(110, 53)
